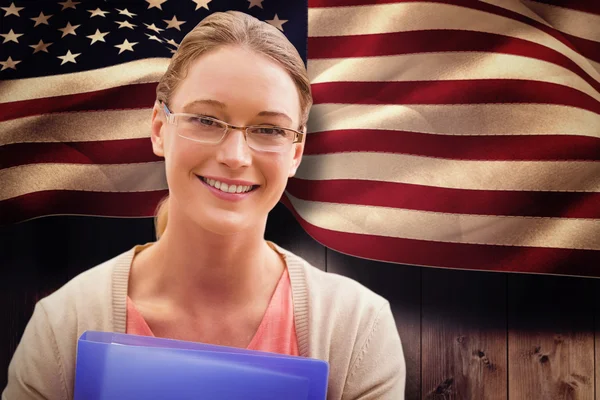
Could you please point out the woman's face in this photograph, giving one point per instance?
(242, 88)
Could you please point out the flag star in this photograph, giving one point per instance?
(98, 36)
(152, 37)
(125, 46)
(68, 30)
(10, 63)
(98, 12)
(68, 4)
(126, 12)
(173, 23)
(277, 23)
(155, 3)
(201, 3)
(69, 57)
(125, 24)
(172, 42)
(11, 36)
(41, 46)
(12, 10)
(153, 28)
(257, 3)
(42, 19)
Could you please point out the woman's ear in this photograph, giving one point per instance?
(157, 130)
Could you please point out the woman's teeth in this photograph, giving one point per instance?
(223, 187)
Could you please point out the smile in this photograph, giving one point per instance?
(225, 188)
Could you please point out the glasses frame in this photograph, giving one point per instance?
(298, 136)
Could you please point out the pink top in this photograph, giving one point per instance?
(276, 332)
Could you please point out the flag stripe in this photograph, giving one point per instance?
(386, 18)
(425, 198)
(460, 120)
(454, 174)
(451, 228)
(104, 152)
(21, 180)
(480, 91)
(147, 70)
(414, 42)
(457, 66)
(454, 255)
(119, 98)
(581, 5)
(67, 202)
(77, 127)
(531, 148)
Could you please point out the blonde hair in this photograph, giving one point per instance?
(232, 28)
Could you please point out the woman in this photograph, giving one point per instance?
(229, 120)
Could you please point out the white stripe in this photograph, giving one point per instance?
(77, 127)
(21, 180)
(456, 66)
(460, 120)
(140, 71)
(451, 228)
(454, 174)
(403, 17)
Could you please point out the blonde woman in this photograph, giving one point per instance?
(230, 121)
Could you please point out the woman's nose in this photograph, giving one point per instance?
(234, 150)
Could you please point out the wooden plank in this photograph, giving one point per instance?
(401, 286)
(551, 337)
(282, 228)
(463, 335)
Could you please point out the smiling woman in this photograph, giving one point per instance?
(230, 121)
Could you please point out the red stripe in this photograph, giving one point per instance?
(455, 255)
(589, 6)
(491, 148)
(432, 41)
(585, 47)
(104, 152)
(67, 202)
(459, 201)
(475, 91)
(134, 96)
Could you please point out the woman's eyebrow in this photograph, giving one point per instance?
(274, 114)
(190, 106)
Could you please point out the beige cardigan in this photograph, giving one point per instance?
(337, 320)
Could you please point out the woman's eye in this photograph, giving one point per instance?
(205, 121)
(267, 130)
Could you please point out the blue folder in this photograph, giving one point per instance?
(130, 367)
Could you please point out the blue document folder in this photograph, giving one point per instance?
(130, 367)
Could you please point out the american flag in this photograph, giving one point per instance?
(457, 134)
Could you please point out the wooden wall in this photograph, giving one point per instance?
(466, 334)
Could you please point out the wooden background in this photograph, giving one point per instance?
(466, 334)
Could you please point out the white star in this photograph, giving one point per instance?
(98, 12)
(126, 46)
(42, 19)
(201, 3)
(10, 63)
(126, 12)
(69, 4)
(12, 10)
(172, 42)
(257, 3)
(277, 23)
(155, 3)
(69, 57)
(125, 24)
(41, 46)
(152, 37)
(98, 36)
(11, 36)
(69, 30)
(173, 23)
(154, 28)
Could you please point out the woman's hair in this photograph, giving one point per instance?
(232, 28)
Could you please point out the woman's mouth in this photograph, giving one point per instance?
(225, 188)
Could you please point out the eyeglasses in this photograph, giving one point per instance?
(209, 130)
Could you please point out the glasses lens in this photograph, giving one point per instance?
(269, 138)
(201, 129)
